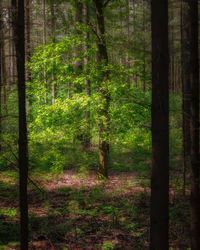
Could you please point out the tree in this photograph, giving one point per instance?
(160, 127)
(1, 77)
(23, 140)
(102, 59)
(193, 52)
(186, 84)
(27, 37)
(87, 136)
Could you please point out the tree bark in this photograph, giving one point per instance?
(44, 40)
(186, 85)
(27, 38)
(160, 127)
(11, 53)
(23, 140)
(102, 59)
(195, 163)
(78, 20)
(53, 38)
(1, 73)
(87, 136)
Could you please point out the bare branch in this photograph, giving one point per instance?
(94, 31)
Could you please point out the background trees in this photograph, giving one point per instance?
(88, 100)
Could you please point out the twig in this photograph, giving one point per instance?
(94, 31)
(14, 167)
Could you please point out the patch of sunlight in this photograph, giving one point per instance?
(9, 212)
(8, 177)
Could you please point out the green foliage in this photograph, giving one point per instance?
(107, 245)
(57, 128)
(8, 212)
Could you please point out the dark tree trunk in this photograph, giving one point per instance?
(102, 59)
(172, 85)
(160, 127)
(186, 84)
(79, 12)
(1, 73)
(23, 141)
(195, 163)
(144, 47)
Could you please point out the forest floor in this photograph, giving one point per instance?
(76, 211)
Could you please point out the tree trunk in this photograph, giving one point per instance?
(160, 127)
(11, 53)
(194, 82)
(53, 38)
(23, 141)
(27, 37)
(44, 38)
(1, 73)
(102, 59)
(87, 136)
(172, 85)
(144, 47)
(186, 85)
(78, 20)
(128, 41)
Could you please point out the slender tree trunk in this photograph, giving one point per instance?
(128, 41)
(53, 37)
(23, 140)
(186, 85)
(195, 163)
(44, 21)
(53, 21)
(44, 38)
(172, 85)
(78, 21)
(6, 76)
(134, 6)
(160, 127)
(87, 139)
(102, 59)
(27, 37)
(144, 47)
(1, 73)
(11, 53)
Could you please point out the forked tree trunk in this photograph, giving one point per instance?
(160, 127)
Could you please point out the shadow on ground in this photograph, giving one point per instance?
(106, 215)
